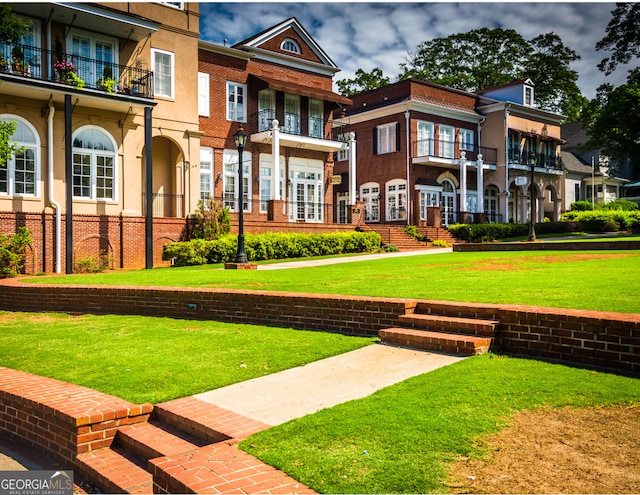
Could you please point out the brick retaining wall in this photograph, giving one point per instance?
(60, 419)
(547, 246)
(591, 338)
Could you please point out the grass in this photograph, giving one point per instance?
(594, 280)
(403, 438)
(143, 359)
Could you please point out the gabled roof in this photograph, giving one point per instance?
(518, 82)
(259, 45)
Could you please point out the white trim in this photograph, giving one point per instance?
(95, 153)
(203, 95)
(172, 57)
(10, 165)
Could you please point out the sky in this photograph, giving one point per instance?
(365, 35)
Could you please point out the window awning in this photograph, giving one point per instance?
(309, 91)
(535, 134)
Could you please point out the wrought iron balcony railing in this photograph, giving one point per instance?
(451, 149)
(82, 72)
(292, 123)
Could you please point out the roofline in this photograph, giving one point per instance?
(224, 50)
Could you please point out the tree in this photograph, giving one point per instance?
(483, 58)
(622, 38)
(364, 81)
(612, 120)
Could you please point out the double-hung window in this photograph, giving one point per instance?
(206, 174)
(387, 138)
(163, 72)
(425, 138)
(446, 141)
(231, 180)
(466, 140)
(236, 102)
(94, 164)
(20, 175)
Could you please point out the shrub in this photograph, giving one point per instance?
(582, 206)
(13, 250)
(440, 243)
(272, 245)
(621, 204)
(413, 231)
(94, 264)
(598, 220)
(488, 231)
(212, 220)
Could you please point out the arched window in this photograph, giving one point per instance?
(21, 176)
(94, 164)
(289, 45)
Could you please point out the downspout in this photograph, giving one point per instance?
(54, 203)
(506, 161)
(407, 116)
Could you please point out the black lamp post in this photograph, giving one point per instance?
(532, 220)
(241, 138)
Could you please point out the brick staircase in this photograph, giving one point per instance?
(187, 446)
(451, 330)
(396, 236)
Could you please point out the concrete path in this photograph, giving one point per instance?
(350, 259)
(277, 398)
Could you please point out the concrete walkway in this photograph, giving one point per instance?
(277, 398)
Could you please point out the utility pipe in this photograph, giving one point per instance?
(52, 200)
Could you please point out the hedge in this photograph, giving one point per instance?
(604, 220)
(269, 246)
(487, 231)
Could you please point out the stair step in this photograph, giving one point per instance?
(205, 420)
(148, 440)
(450, 324)
(113, 472)
(450, 343)
(219, 468)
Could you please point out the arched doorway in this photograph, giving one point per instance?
(170, 182)
(448, 203)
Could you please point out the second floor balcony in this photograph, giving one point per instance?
(543, 161)
(447, 153)
(32, 65)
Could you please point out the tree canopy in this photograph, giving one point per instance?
(613, 121)
(364, 81)
(622, 38)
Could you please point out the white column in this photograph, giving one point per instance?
(275, 158)
(463, 181)
(480, 182)
(352, 168)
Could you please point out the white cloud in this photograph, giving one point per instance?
(374, 34)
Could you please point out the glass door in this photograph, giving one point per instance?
(448, 203)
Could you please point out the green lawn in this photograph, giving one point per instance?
(596, 280)
(403, 438)
(144, 359)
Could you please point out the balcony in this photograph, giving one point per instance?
(549, 163)
(296, 131)
(447, 153)
(28, 64)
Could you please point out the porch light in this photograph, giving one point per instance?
(241, 139)
(532, 221)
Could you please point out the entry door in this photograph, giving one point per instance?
(306, 194)
(448, 203)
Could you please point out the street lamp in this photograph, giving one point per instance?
(532, 220)
(241, 139)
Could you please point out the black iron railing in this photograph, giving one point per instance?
(81, 72)
(543, 160)
(438, 148)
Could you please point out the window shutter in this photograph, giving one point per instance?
(398, 140)
(375, 140)
(203, 94)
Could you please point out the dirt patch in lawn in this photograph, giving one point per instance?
(524, 263)
(558, 451)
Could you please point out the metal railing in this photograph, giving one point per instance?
(544, 160)
(81, 72)
(165, 205)
(291, 124)
(451, 149)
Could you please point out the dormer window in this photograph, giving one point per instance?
(289, 45)
(528, 96)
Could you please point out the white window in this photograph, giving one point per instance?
(306, 190)
(206, 173)
(425, 138)
(429, 197)
(177, 5)
(94, 58)
(266, 109)
(528, 96)
(21, 175)
(370, 194)
(445, 141)
(316, 118)
(203, 94)
(466, 140)
(291, 114)
(396, 200)
(236, 104)
(163, 71)
(386, 138)
(343, 154)
(231, 180)
(289, 45)
(94, 164)
(266, 179)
